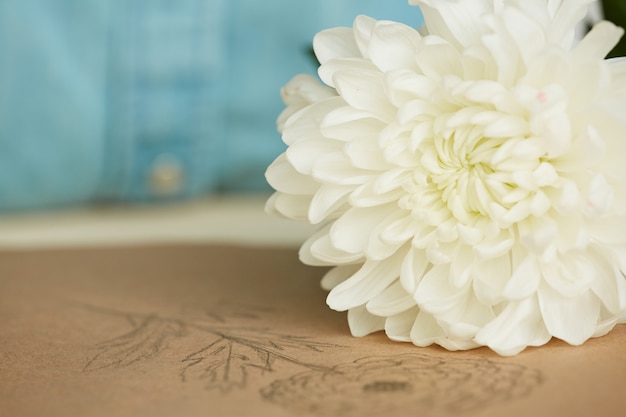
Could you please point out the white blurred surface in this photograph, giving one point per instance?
(236, 219)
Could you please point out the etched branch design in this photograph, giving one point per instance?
(409, 383)
(147, 339)
(223, 363)
(423, 384)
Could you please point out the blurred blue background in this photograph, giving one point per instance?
(151, 100)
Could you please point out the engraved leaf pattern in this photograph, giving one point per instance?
(426, 385)
(223, 363)
(432, 385)
(147, 339)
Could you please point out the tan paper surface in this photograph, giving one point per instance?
(226, 331)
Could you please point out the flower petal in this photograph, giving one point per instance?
(318, 250)
(406, 85)
(364, 90)
(337, 275)
(352, 230)
(467, 317)
(525, 280)
(301, 91)
(326, 201)
(609, 284)
(459, 22)
(434, 293)
(330, 70)
(494, 247)
(437, 58)
(506, 59)
(599, 41)
(518, 326)
(367, 283)
(284, 178)
(379, 248)
(490, 279)
(565, 15)
(527, 34)
(572, 320)
(363, 30)
(335, 168)
(393, 46)
(392, 301)
(426, 330)
(398, 327)
(287, 205)
(365, 152)
(304, 154)
(571, 274)
(414, 266)
(346, 124)
(362, 322)
(461, 267)
(335, 43)
(305, 124)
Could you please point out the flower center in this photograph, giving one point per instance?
(483, 153)
(478, 163)
(457, 181)
(462, 172)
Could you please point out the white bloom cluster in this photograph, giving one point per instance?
(469, 178)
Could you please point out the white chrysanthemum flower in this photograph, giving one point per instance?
(469, 178)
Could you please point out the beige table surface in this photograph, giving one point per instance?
(204, 310)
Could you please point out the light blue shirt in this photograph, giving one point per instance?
(142, 100)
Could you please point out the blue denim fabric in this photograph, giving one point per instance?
(143, 100)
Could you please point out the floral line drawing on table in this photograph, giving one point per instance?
(226, 360)
(222, 363)
(404, 383)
